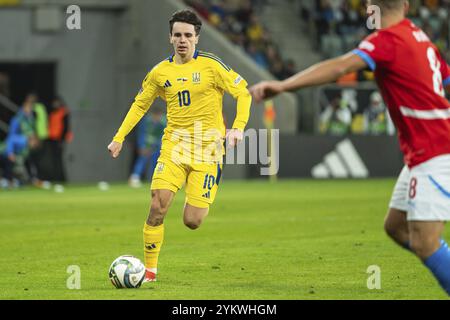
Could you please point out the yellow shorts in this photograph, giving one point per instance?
(201, 180)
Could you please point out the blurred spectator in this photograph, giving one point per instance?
(257, 55)
(148, 144)
(40, 113)
(255, 30)
(24, 124)
(341, 24)
(336, 119)
(278, 70)
(41, 130)
(5, 112)
(283, 70)
(240, 23)
(13, 152)
(59, 134)
(198, 6)
(376, 117)
(6, 167)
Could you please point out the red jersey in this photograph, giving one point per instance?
(412, 76)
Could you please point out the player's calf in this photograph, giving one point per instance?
(154, 231)
(425, 237)
(396, 227)
(434, 252)
(159, 206)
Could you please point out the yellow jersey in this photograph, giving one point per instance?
(193, 92)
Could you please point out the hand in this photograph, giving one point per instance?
(234, 136)
(114, 148)
(265, 90)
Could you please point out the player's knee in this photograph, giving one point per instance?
(159, 206)
(192, 223)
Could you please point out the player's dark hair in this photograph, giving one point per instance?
(186, 16)
(388, 4)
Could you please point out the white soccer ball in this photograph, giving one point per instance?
(103, 186)
(127, 272)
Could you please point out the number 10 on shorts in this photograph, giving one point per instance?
(209, 181)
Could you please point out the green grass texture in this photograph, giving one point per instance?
(290, 240)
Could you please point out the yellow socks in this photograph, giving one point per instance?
(153, 239)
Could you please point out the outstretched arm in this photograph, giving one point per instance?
(320, 73)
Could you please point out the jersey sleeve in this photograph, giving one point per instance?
(142, 102)
(376, 50)
(231, 82)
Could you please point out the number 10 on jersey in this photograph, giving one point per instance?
(184, 98)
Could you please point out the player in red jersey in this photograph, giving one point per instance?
(412, 77)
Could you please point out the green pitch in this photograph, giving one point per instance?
(297, 239)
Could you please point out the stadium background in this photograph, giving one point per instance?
(99, 69)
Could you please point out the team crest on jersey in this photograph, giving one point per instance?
(159, 167)
(196, 77)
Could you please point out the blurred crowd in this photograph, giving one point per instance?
(349, 111)
(240, 22)
(31, 152)
(341, 24)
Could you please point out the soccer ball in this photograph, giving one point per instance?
(127, 272)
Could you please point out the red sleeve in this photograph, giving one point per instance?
(376, 50)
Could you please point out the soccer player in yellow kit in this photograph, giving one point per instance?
(192, 83)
